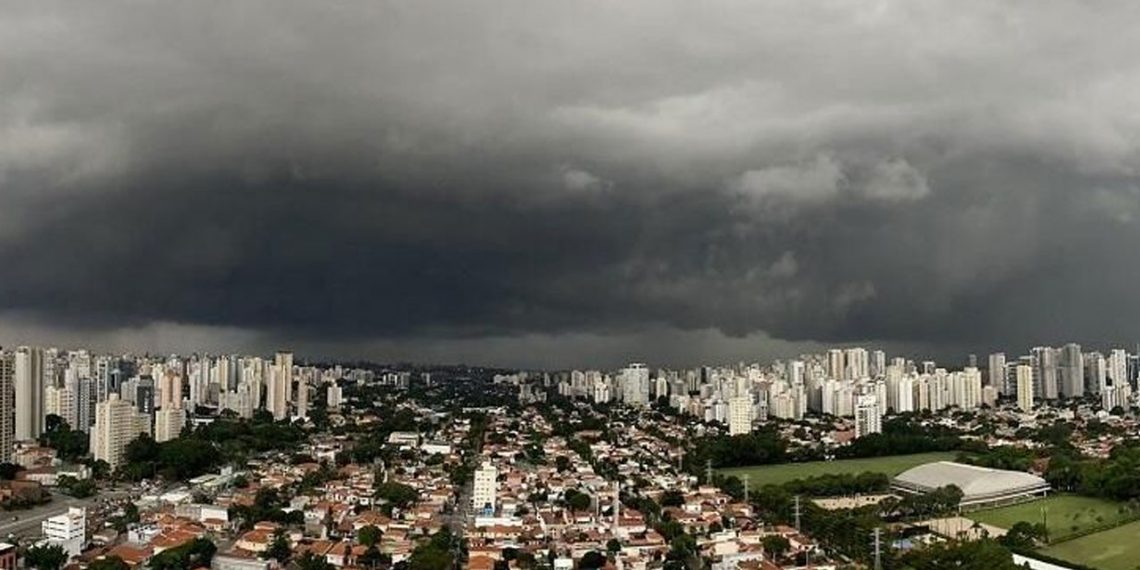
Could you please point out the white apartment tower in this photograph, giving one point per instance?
(280, 385)
(1024, 387)
(168, 423)
(634, 380)
(868, 419)
(117, 423)
(485, 488)
(739, 415)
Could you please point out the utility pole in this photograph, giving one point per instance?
(878, 549)
(708, 472)
(746, 478)
(796, 511)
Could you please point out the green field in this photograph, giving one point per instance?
(776, 474)
(1067, 514)
(1115, 549)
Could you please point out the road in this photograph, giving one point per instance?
(28, 523)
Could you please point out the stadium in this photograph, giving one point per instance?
(981, 486)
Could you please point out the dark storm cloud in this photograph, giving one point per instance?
(943, 172)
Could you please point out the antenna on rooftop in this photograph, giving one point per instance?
(746, 478)
(708, 471)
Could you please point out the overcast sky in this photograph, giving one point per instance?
(559, 183)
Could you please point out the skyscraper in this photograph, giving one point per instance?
(1071, 368)
(1024, 387)
(739, 415)
(117, 423)
(868, 417)
(280, 385)
(1044, 373)
(996, 373)
(634, 381)
(29, 389)
(7, 410)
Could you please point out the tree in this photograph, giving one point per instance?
(8, 471)
(78, 488)
(46, 557)
(672, 498)
(576, 500)
(369, 535)
(310, 561)
(279, 548)
(592, 560)
(613, 546)
(562, 463)
(194, 554)
(775, 545)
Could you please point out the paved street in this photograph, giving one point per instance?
(28, 523)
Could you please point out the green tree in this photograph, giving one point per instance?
(8, 471)
(46, 557)
(672, 498)
(279, 548)
(613, 546)
(310, 561)
(592, 560)
(369, 535)
(775, 545)
(195, 554)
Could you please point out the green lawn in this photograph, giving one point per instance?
(1115, 549)
(777, 474)
(1067, 514)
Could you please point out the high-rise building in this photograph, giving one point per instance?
(1071, 371)
(996, 373)
(29, 390)
(117, 423)
(1025, 390)
(1044, 373)
(868, 417)
(170, 390)
(168, 423)
(739, 415)
(835, 368)
(280, 385)
(878, 363)
(7, 409)
(634, 380)
(485, 489)
(302, 404)
(857, 365)
(60, 401)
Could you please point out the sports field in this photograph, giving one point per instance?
(891, 465)
(1115, 549)
(1067, 514)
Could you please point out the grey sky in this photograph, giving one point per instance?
(569, 181)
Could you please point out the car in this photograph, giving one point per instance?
(15, 517)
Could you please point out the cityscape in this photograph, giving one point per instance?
(245, 462)
(576, 285)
